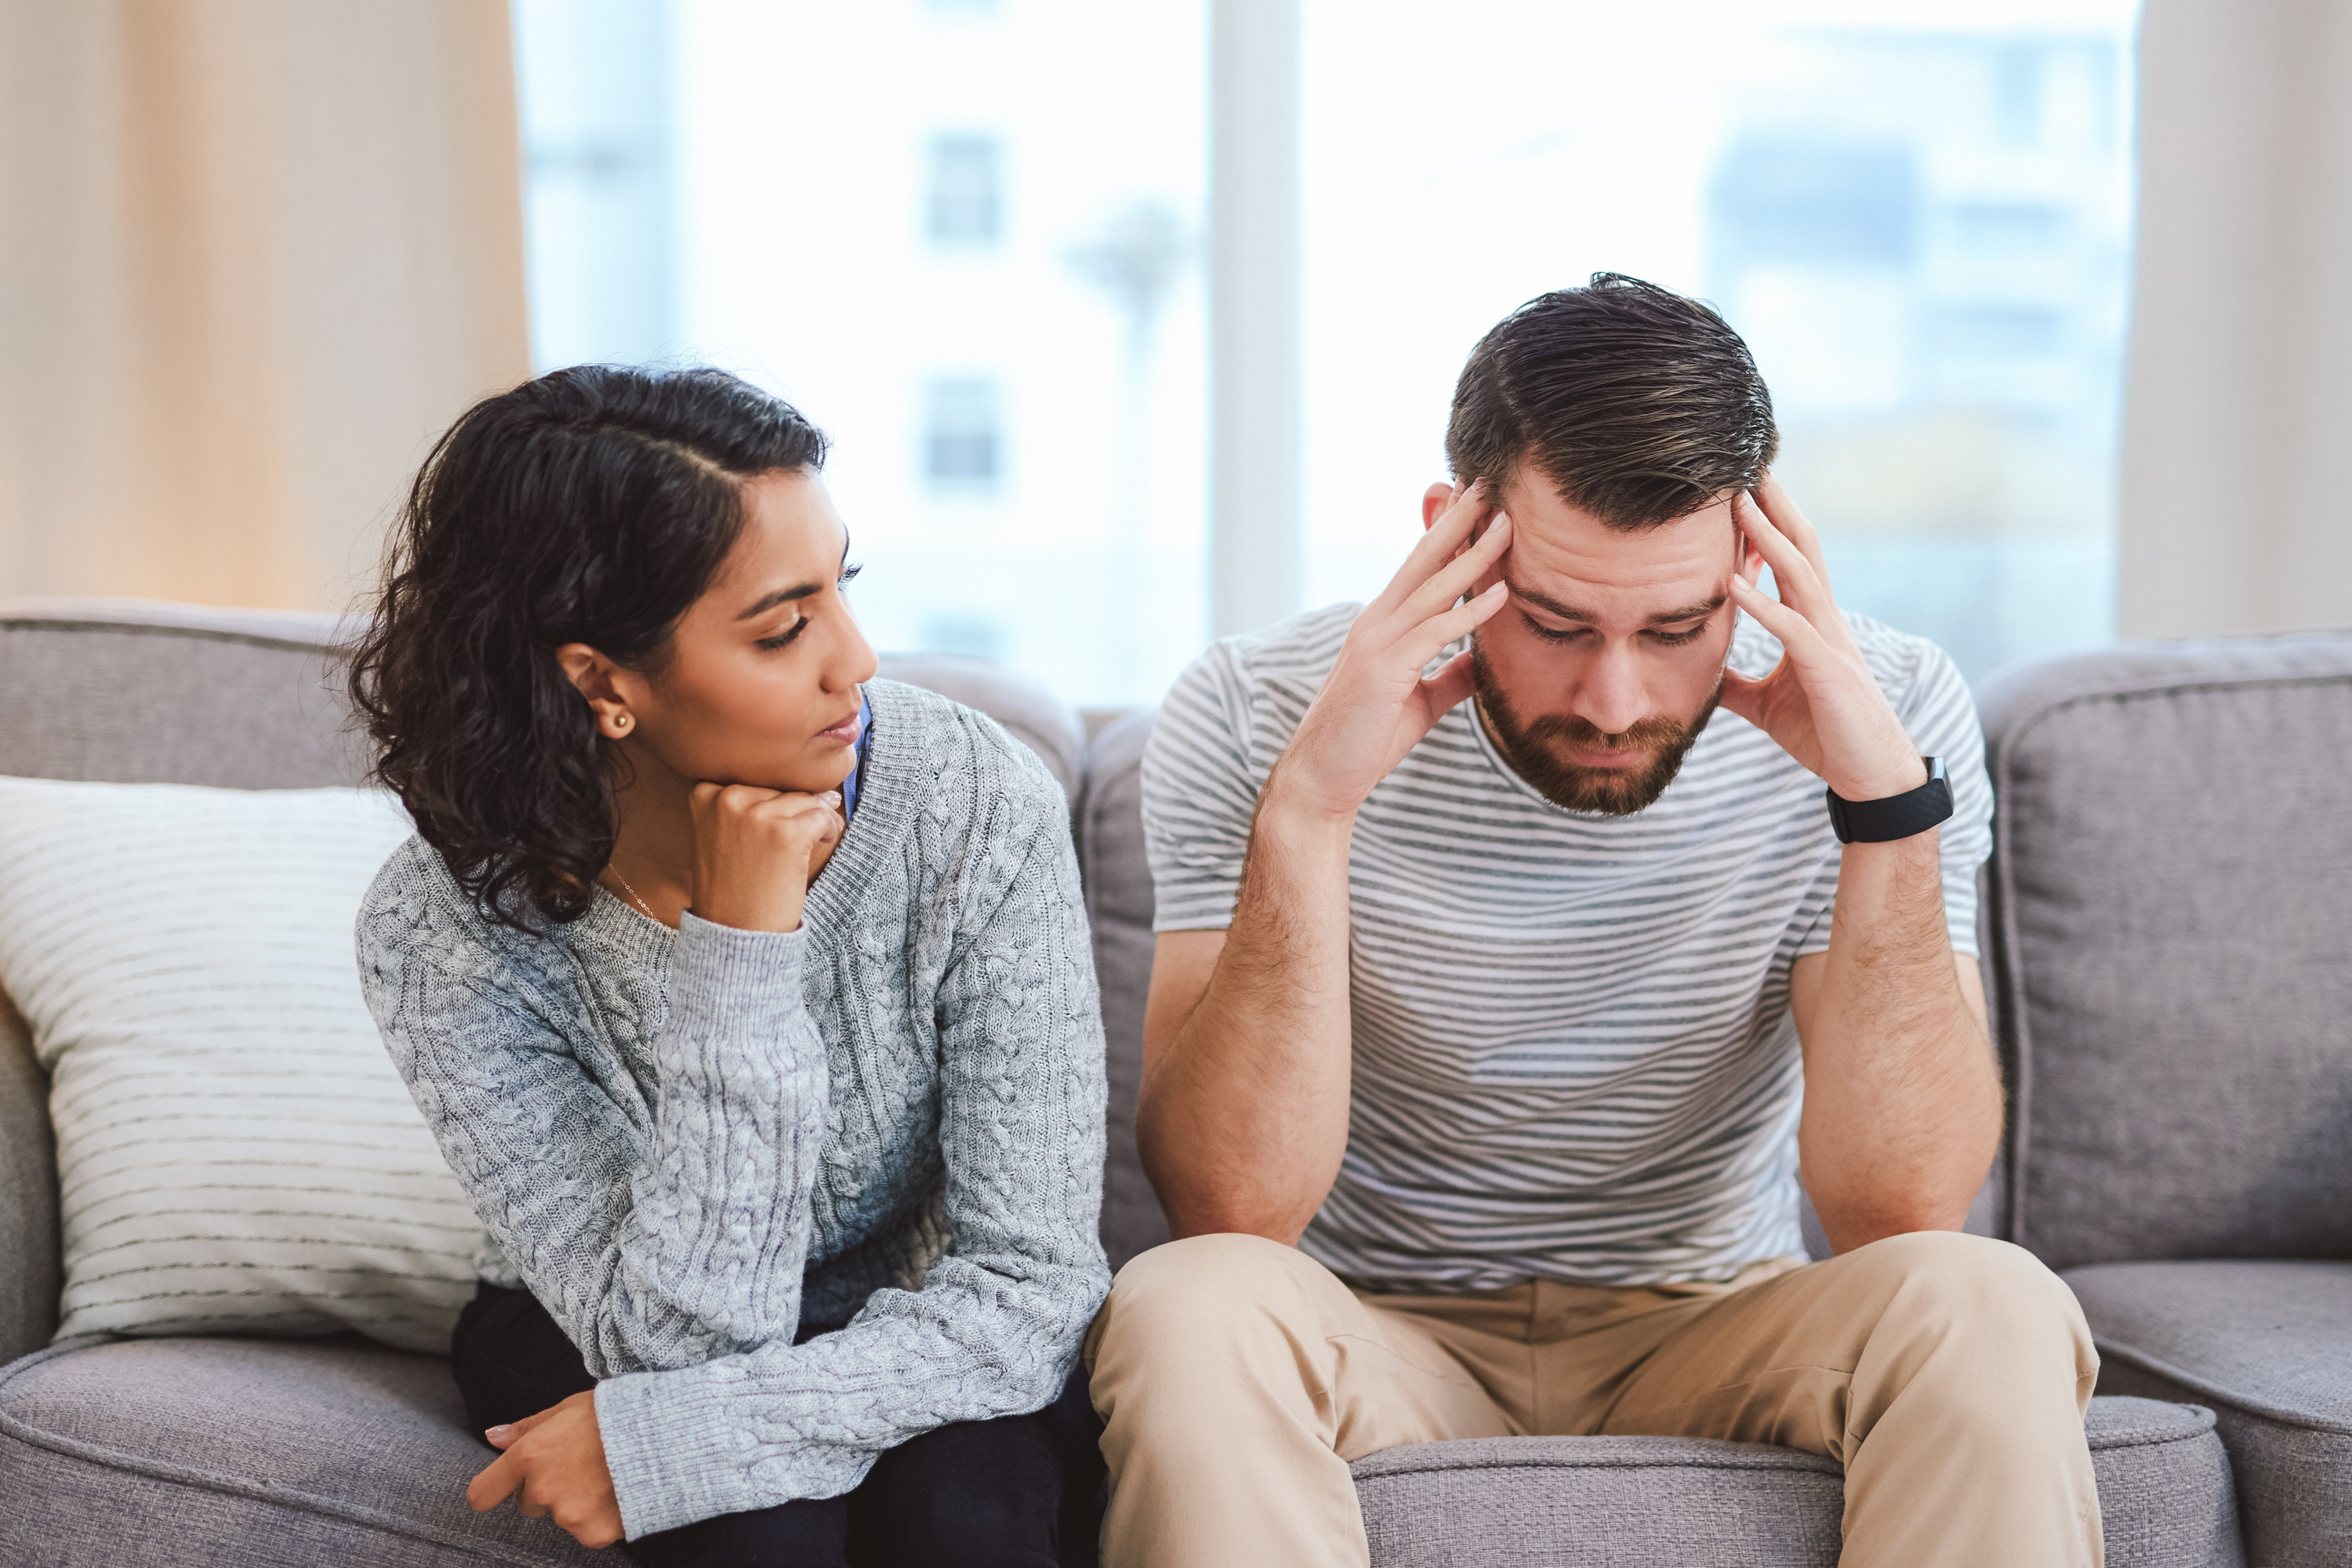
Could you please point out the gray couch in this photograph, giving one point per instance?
(2183, 1091)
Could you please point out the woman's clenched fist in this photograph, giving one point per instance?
(754, 851)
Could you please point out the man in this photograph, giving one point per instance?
(1501, 998)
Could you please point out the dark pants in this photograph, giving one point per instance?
(1019, 1492)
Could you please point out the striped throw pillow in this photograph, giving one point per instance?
(235, 1153)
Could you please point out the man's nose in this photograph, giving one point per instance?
(1610, 698)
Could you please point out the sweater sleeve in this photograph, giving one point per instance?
(656, 1246)
(995, 1328)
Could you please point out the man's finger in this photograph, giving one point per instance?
(1791, 520)
(1803, 589)
(493, 1486)
(1438, 544)
(1455, 578)
(1453, 684)
(1427, 640)
(1800, 638)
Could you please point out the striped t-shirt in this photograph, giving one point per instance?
(1574, 1058)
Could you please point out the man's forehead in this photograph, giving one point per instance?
(1566, 555)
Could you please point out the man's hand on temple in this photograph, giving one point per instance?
(1821, 703)
(1376, 704)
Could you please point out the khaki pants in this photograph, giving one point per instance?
(1238, 1377)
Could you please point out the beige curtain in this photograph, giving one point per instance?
(254, 255)
(2235, 515)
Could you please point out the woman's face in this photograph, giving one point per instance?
(761, 683)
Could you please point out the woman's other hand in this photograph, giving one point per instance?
(754, 851)
(553, 1466)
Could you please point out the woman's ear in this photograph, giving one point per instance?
(594, 675)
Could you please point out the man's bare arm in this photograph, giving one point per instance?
(1244, 1112)
(1903, 1099)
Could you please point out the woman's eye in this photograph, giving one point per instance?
(784, 637)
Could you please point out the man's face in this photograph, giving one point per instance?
(1605, 664)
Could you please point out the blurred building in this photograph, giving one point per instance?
(1928, 255)
(962, 236)
(965, 237)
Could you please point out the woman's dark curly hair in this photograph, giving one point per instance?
(593, 505)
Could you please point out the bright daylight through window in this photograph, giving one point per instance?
(968, 239)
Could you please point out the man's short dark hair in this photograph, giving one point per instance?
(1639, 405)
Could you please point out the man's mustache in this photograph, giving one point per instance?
(1647, 735)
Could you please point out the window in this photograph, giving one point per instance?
(961, 442)
(593, 86)
(964, 198)
(1019, 445)
(969, 242)
(1917, 215)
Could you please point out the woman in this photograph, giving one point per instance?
(749, 997)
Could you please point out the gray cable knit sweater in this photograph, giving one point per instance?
(887, 1123)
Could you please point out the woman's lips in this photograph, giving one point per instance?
(842, 734)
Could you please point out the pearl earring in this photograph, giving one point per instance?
(620, 720)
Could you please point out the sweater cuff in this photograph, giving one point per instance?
(678, 1454)
(672, 1459)
(728, 980)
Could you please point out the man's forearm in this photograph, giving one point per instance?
(1903, 1106)
(1243, 1117)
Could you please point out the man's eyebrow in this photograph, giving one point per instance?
(786, 596)
(1552, 607)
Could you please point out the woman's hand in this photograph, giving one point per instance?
(555, 1461)
(753, 851)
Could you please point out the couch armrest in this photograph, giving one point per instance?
(31, 1262)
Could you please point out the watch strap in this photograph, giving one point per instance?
(1897, 815)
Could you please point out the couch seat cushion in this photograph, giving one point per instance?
(196, 1451)
(2268, 1347)
(1666, 1502)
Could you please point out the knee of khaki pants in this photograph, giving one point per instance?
(2000, 1328)
(1192, 1314)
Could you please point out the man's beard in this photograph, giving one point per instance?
(1533, 750)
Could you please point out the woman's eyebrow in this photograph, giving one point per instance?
(786, 596)
(781, 597)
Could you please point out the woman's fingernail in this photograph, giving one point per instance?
(496, 1433)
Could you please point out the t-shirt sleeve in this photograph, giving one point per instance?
(1941, 718)
(1200, 794)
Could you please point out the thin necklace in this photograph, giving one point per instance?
(633, 896)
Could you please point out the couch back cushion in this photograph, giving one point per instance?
(1119, 904)
(131, 691)
(2171, 915)
(138, 691)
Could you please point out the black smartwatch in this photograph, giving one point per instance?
(1897, 815)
